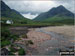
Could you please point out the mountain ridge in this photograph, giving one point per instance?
(60, 10)
(10, 14)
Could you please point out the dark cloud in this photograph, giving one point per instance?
(33, 7)
(37, 7)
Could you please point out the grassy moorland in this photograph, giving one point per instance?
(8, 39)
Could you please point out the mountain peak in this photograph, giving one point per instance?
(58, 11)
(61, 6)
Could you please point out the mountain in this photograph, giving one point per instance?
(58, 14)
(11, 14)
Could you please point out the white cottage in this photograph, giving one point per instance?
(9, 22)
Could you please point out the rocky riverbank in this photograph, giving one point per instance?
(49, 40)
(38, 37)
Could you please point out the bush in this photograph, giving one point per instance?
(12, 49)
(30, 42)
(21, 51)
(24, 36)
(5, 43)
(5, 32)
(10, 53)
(14, 37)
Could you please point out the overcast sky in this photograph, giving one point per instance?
(31, 9)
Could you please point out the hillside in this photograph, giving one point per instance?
(58, 14)
(11, 14)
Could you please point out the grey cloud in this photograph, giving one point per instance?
(25, 6)
(69, 4)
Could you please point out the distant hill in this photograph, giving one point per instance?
(58, 14)
(11, 14)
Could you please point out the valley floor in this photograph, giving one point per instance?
(49, 40)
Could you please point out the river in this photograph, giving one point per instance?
(52, 46)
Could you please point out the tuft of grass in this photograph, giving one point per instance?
(5, 43)
(24, 36)
(30, 42)
(21, 51)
